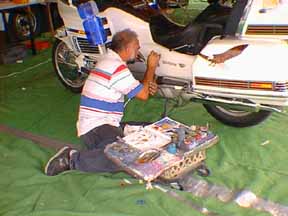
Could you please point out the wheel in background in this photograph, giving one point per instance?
(19, 23)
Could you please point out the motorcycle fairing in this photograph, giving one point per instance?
(70, 16)
(73, 28)
(259, 71)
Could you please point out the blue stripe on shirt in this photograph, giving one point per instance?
(103, 71)
(135, 91)
(102, 105)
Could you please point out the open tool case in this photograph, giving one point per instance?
(165, 149)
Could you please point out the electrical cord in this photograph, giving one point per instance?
(27, 69)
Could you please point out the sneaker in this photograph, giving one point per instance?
(60, 162)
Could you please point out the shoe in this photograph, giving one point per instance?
(60, 162)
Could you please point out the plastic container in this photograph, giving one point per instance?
(95, 31)
(88, 10)
(92, 24)
(172, 148)
(39, 45)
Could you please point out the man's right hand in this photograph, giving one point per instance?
(153, 87)
(153, 60)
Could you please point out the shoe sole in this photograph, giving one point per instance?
(52, 158)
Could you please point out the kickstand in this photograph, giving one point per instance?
(164, 114)
(178, 102)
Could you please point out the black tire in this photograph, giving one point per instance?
(19, 23)
(66, 68)
(236, 118)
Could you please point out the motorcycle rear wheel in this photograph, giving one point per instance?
(236, 118)
(66, 68)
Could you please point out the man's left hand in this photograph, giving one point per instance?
(153, 87)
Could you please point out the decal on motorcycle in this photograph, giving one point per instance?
(222, 57)
(181, 65)
(169, 63)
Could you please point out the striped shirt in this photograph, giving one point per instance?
(102, 98)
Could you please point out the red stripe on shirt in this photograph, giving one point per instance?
(119, 69)
(97, 73)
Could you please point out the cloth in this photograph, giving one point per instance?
(102, 98)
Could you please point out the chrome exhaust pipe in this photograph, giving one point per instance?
(251, 107)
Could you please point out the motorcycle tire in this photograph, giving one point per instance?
(19, 22)
(236, 118)
(65, 66)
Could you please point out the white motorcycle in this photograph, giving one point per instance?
(233, 59)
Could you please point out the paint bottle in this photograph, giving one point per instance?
(172, 148)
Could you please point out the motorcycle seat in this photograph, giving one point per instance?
(189, 39)
(214, 13)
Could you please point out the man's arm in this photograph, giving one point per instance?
(148, 81)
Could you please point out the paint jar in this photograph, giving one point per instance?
(172, 148)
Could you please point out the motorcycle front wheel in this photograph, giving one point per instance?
(236, 118)
(66, 68)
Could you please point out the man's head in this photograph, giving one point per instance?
(126, 44)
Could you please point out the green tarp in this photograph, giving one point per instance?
(35, 101)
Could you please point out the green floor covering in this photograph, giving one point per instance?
(35, 101)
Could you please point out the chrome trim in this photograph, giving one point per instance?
(86, 47)
(236, 104)
(267, 30)
(241, 84)
(242, 95)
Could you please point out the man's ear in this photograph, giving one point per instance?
(127, 48)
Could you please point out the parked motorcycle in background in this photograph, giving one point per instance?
(231, 58)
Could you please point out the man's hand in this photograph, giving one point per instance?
(153, 60)
(153, 87)
(152, 63)
(149, 85)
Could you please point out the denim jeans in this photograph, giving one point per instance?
(93, 159)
